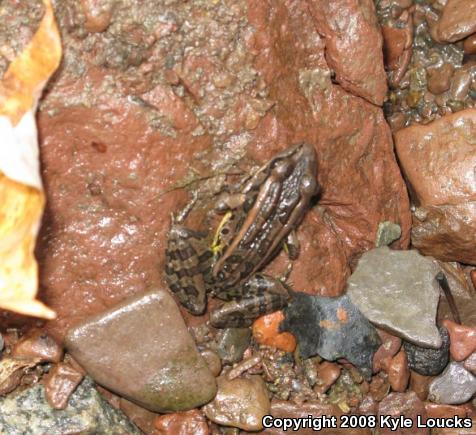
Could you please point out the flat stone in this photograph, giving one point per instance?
(87, 413)
(331, 328)
(454, 386)
(142, 350)
(426, 361)
(397, 291)
(387, 233)
(240, 402)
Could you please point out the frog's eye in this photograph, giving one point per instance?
(221, 275)
(308, 186)
(282, 168)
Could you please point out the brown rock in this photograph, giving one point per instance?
(60, 383)
(439, 78)
(98, 15)
(142, 350)
(240, 402)
(379, 387)
(355, 55)
(398, 372)
(141, 417)
(437, 410)
(389, 348)
(470, 363)
(420, 384)
(469, 44)
(213, 361)
(37, 344)
(473, 278)
(182, 423)
(438, 160)
(448, 431)
(462, 340)
(457, 21)
(368, 406)
(328, 373)
(407, 404)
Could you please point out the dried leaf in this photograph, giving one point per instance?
(21, 192)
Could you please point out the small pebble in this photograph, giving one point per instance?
(36, 344)
(462, 340)
(182, 423)
(454, 386)
(387, 350)
(469, 45)
(398, 372)
(387, 233)
(439, 78)
(426, 361)
(213, 361)
(420, 384)
(379, 387)
(328, 373)
(232, 343)
(60, 383)
(241, 403)
(472, 275)
(266, 331)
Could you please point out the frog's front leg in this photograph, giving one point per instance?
(261, 294)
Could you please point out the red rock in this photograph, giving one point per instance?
(438, 160)
(182, 423)
(328, 373)
(104, 232)
(356, 54)
(398, 372)
(60, 383)
(407, 404)
(462, 340)
(469, 44)
(141, 417)
(439, 78)
(450, 431)
(389, 348)
(37, 344)
(420, 384)
(368, 406)
(98, 15)
(437, 410)
(457, 21)
(473, 278)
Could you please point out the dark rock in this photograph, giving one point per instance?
(426, 361)
(232, 343)
(142, 350)
(331, 328)
(397, 291)
(454, 386)
(87, 413)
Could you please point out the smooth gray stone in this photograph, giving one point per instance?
(397, 291)
(142, 350)
(87, 413)
(387, 233)
(454, 386)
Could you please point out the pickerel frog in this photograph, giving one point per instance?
(260, 217)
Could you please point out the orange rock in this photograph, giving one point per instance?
(182, 423)
(398, 372)
(266, 331)
(462, 340)
(438, 410)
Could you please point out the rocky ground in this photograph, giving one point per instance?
(156, 101)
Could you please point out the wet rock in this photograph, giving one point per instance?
(87, 412)
(328, 373)
(438, 160)
(457, 21)
(470, 363)
(437, 410)
(361, 46)
(406, 404)
(387, 233)
(331, 328)
(454, 386)
(37, 344)
(60, 383)
(241, 402)
(182, 423)
(469, 44)
(141, 417)
(462, 340)
(142, 350)
(266, 331)
(398, 372)
(397, 291)
(439, 78)
(213, 361)
(420, 384)
(232, 343)
(426, 361)
(387, 350)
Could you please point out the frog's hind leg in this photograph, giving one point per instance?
(262, 294)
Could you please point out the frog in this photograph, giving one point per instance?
(260, 216)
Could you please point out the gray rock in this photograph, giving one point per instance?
(454, 386)
(387, 233)
(426, 361)
(87, 413)
(142, 350)
(331, 328)
(397, 291)
(232, 343)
